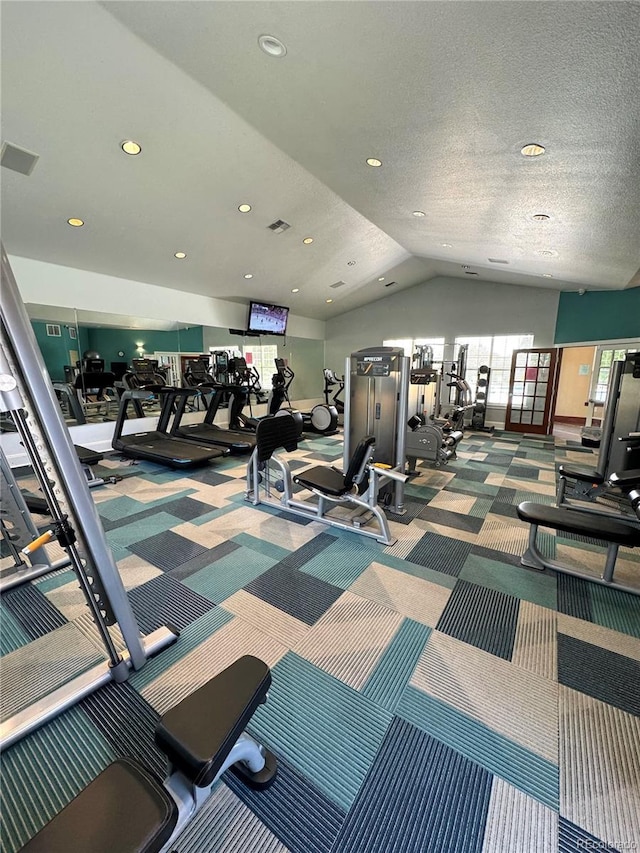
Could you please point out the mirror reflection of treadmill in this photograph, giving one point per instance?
(207, 432)
(156, 445)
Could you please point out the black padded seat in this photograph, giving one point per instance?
(123, 809)
(87, 456)
(585, 524)
(199, 732)
(327, 480)
(626, 479)
(585, 475)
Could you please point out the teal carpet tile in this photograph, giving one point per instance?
(12, 633)
(261, 546)
(125, 536)
(326, 730)
(615, 609)
(391, 675)
(525, 584)
(343, 561)
(519, 766)
(229, 574)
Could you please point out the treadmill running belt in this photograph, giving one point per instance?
(237, 442)
(165, 450)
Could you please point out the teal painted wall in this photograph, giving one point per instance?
(108, 342)
(55, 351)
(598, 315)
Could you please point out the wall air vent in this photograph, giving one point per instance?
(18, 159)
(496, 261)
(391, 283)
(338, 284)
(53, 330)
(278, 226)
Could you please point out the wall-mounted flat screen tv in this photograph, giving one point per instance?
(266, 319)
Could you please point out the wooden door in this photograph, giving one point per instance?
(532, 390)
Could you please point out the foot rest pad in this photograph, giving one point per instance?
(122, 809)
(626, 479)
(585, 475)
(199, 732)
(585, 524)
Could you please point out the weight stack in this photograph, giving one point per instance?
(480, 406)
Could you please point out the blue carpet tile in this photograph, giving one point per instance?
(167, 550)
(573, 597)
(165, 601)
(448, 809)
(297, 593)
(440, 553)
(573, 839)
(605, 675)
(483, 617)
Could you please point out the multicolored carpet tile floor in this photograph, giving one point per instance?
(428, 696)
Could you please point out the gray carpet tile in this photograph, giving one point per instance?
(295, 811)
(295, 519)
(505, 495)
(499, 460)
(574, 597)
(209, 476)
(483, 617)
(206, 558)
(33, 610)
(165, 601)
(451, 519)
(309, 550)
(523, 471)
(500, 556)
(188, 508)
(167, 550)
(297, 593)
(440, 553)
(412, 510)
(504, 509)
(472, 475)
(448, 810)
(605, 675)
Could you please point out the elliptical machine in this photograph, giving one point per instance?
(330, 381)
(239, 385)
(322, 418)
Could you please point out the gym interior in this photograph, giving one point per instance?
(320, 427)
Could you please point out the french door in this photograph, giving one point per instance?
(532, 390)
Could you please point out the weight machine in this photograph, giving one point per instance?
(26, 392)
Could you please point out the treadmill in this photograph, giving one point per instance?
(205, 432)
(158, 446)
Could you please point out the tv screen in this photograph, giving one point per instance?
(267, 319)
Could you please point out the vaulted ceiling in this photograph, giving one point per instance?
(444, 94)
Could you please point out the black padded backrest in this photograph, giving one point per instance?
(273, 432)
(359, 459)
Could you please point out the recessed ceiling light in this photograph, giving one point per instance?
(248, 275)
(244, 208)
(541, 217)
(381, 278)
(180, 255)
(547, 253)
(446, 245)
(419, 213)
(76, 223)
(532, 150)
(307, 240)
(328, 301)
(295, 290)
(465, 266)
(131, 147)
(546, 275)
(272, 46)
(373, 161)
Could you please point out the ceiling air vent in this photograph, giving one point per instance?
(278, 226)
(338, 284)
(18, 159)
(497, 261)
(391, 283)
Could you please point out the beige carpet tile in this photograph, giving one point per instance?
(443, 530)
(600, 769)
(135, 571)
(535, 646)
(531, 486)
(271, 620)
(503, 534)
(219, 651)
(348, 641)
(493, 691)
(453, 502)
(412, 597)
(517, 823)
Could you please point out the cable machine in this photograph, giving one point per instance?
(27, 394)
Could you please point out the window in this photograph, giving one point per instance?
(496, 352)
(53, 330)
(409, 346)
(602, 374)
(262, 357)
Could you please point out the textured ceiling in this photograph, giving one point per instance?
(444, 93)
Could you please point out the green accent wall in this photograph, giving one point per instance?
(56, 351)
(108, 342)
(598, 315)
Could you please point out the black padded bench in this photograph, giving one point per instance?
(611, 531)
(125, 809)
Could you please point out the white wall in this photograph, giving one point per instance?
(66, 287)
(444, 307)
